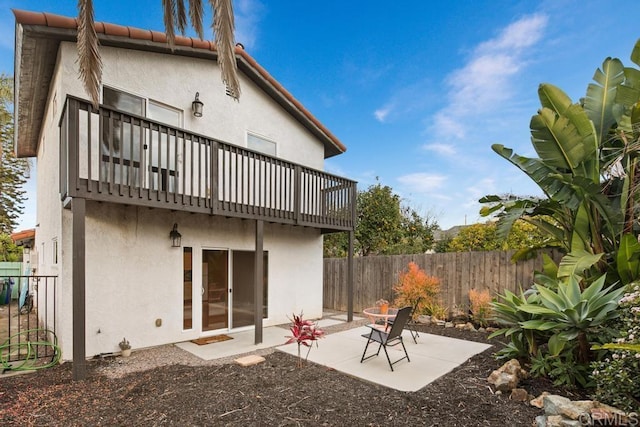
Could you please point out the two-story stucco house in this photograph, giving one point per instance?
(173, 211)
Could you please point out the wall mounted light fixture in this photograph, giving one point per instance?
(176, 238)
(197, 105)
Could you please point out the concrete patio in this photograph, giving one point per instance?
(432, 357)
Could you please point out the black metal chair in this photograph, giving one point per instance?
(388, 339)
(411, 324)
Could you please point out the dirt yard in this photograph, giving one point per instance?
(273, 393)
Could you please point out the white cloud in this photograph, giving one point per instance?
(247, 15)
(382, 113)
(442, 149)
(422, 182)
(484, 83)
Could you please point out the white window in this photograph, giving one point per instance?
(136, 157)
(164, 113)
(260, 144)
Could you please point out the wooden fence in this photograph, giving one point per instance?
(459, 272)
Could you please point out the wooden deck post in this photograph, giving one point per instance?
(350, 278)
(78, 209)
(259, 280)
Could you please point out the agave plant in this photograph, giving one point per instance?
(570, 313)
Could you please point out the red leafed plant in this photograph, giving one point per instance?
(304, 332)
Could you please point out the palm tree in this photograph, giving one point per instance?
(175, 15)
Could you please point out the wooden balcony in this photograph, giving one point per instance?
(112, 156)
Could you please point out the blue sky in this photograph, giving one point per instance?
(417, 90)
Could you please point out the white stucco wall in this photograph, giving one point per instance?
(133, 276)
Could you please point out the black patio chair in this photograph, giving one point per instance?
(411, 324)
(388, 339)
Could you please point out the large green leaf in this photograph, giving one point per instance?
(536, 309)
(554, 98)
(601, 96)
(575, 263)
(628, 261)
(551, 300)
(539, 325)
(572, 291)
(540, 173)
(594, 288)
(558, 142)
(556, 344)
(635, 53)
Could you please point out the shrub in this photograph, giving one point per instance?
(303, 333)
(415, 284)
(617, 377)
(480, 306)
(435, 310)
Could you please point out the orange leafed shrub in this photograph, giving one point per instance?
(414, 283)
(480, 306)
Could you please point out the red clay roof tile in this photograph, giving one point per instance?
(58, 21)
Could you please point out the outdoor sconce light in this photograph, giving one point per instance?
(197, 105)
(176, 238)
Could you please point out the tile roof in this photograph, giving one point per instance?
(45, 19)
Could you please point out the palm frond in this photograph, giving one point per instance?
(89, 62)
(223, 27)
(196, 16)
(181, 16)
(169, 7)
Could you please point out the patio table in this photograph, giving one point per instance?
(377, 318)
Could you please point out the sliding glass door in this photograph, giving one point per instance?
(228, 289)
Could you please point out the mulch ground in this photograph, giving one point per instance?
(273, 393)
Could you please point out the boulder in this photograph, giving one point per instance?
(519, 395)
(553, 404)
(507, 376)
(537, 402)
(424, 319)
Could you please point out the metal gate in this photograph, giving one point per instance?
(28, 322)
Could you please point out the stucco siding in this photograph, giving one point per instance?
(134, 276)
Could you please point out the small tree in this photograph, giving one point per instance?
(414, 284)
(12, 169)
(303, 333)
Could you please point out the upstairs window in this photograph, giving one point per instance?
(260, 144)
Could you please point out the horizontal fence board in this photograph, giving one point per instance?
(375, 276)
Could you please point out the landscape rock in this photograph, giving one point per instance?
(461, 326)
(537, 402)
(481, 329)
(440, 322)
(469, 326)
(553, 404)
(574, 409)
(507, 376)
(554, 421)
(603, 414)
(424, 319)
(448, 325)
(519, 395)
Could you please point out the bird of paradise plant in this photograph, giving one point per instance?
(304, 333)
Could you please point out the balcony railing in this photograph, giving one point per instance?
(112, 156)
